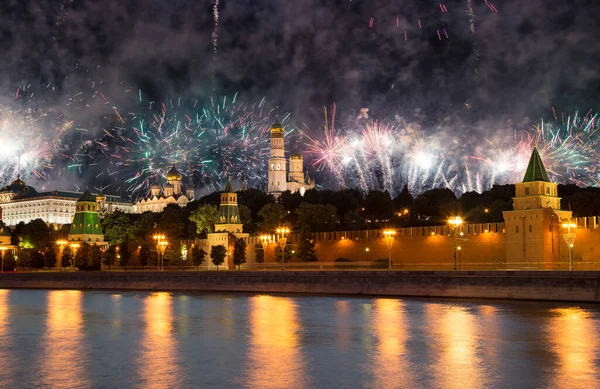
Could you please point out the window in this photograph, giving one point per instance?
(278, 167)
(530, 228)
(272, 166)
(548, 191)
(526, 191)
(517, 229)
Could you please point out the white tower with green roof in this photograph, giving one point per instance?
(533, 227)
(86, 225)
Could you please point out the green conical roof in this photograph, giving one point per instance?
(536, 170)
(87, 197)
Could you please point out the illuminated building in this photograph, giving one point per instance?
(170, 193)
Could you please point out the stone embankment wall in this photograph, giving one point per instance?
(522, 285)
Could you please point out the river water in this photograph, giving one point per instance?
(74, 339)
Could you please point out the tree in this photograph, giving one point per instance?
(205, 217)
(260, 253)
(379, 205)
(37, 259)
(245, 215)
(272, 216)
(144, 255)
(116, 226)
(125, 253)
(172, 222)
(404, 200)
(9, 261)
(67, 257)
(50, 258)
(95, 258)
(198, 255)
(24, 259)
(239, 252)
(306, 249)
(36, 234)
(82, 256)
(255, 200)
(287, 254)
(217, 254)
(317, 217)
(142, 228)
(110, 256)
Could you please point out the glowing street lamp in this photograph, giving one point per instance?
(3, 249)
(456, 222)
(389, 241)
(265, 240)
(74, 247)
(163, 247)
(282, 240)
(158, 239)
(61, 246)
(569, 238)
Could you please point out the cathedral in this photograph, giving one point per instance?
(279, 180)
(170, 193)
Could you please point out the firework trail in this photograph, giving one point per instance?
(215, 40)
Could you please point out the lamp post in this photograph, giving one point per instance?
(264, 241)
(61, 246)
(569, 238)
(455, 221)
(389, 241)
(3, 249)
(163, 247)
(282, 240)
(74, 247)
(158, 239)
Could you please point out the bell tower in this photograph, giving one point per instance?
(533, 226)
(277, 163)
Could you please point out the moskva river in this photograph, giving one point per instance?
(74, 339)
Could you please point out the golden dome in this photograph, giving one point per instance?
(276, 128)
(296, 156)
(174, 174)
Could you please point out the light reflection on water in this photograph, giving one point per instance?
(73, 339)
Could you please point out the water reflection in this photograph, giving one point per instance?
(6, 365)
(63, 362)
(391, 368)
(159, 364)
(459, 364)
(274, 357)
(574, 338)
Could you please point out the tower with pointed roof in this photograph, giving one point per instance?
(86, 225)
(533, 227)
(229, 214)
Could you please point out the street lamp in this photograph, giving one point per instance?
(569, 238)
(456, 221)
(163, 246)
(74, 247)
(3, 249)
(282, 231)
(61, 246)
(389, 241)
(158, 239)
(264, 241)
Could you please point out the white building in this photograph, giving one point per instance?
(22, 203)
(279, 181)
(170, 193)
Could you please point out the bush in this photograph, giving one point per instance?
(345, 263)
(382, 263)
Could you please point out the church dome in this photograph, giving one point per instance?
(296, 156)
(174, 174)
(276, 128)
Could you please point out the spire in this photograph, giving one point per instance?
(536, 170)
(228, 187)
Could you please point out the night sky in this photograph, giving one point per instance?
(473, 71)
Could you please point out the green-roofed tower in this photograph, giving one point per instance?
(229, 214)
(86, 225)
(536, 170)
(533, 227)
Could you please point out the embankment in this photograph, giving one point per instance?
(520, 285)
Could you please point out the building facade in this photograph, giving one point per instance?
(278, 179)
(22, 203)
(86, 225)
(170, 193)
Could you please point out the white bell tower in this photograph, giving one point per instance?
(277, 162)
